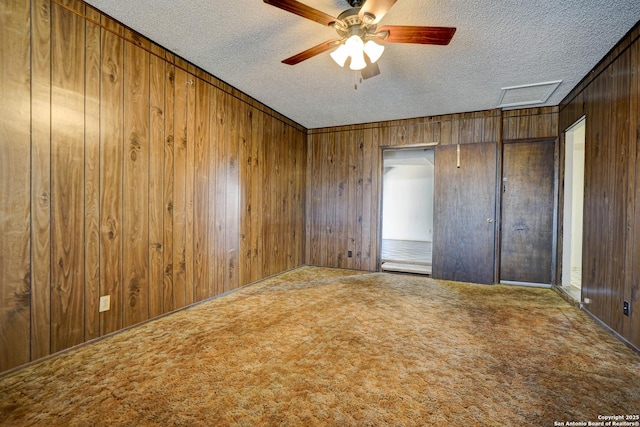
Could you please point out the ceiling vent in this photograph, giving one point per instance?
(536, 93)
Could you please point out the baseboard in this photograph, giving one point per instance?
(611, 330)
(529, 284)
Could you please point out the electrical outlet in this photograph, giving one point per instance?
(349, 254)
(625, 308)
(105, 303)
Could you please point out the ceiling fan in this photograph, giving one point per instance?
(358, 32)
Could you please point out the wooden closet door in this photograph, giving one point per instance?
(527, 212)
(464, 210)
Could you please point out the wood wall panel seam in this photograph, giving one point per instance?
(40, 179)
(67, 170)
(92, 181)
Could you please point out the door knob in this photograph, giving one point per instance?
(490, 220)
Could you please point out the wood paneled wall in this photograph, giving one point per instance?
(126, 171)
(530, 124)
(609, 97)
(344, 167)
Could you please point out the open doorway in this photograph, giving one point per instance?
(573, 209)
(407, 210)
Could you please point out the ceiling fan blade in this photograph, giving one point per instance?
(303, 10)
(377, 8)
(419, 35)
(309, 53)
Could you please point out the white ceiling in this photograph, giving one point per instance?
(497, 44)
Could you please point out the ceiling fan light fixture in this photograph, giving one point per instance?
(357, 61)
(340, 55)
(373, 50)
(355, 49)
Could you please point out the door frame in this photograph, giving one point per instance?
(560, 167)
(555, 219)
(381, 150)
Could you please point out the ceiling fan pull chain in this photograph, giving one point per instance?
(358, 79)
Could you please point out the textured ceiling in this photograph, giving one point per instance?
(497, 44)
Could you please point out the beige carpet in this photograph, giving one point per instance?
(333, 347)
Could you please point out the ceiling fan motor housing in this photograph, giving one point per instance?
(350, 24)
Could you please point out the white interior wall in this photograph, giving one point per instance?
(573, 200)
(408, 202)
(578, 197)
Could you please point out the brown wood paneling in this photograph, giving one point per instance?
(595, 219)
(200, 250)
(168, 181)
(351, 189)
(530, 123)
(67, 170)
(15, 204)
(300, 187)
(120, 181)
(189, 188)
(342, 202)
(221, 191)
(92, 181)
(370, 200)
(609, 98)
(287, 201)
(255, 183)
(328, 243)
(269, 201)
(157, 73)
(527, 212)
(314, 199)
(111, 169)
(212, 232)
(40, 177)
(76, 6)
(232, 210)
(344, 193)
(464, 207)
(244, 152)
(632, 288)
(620, 185)
(270, 247)
(179, 189)
(136, 176)
(634, 243)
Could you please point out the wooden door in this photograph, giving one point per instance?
(527, 212)
(464, 210)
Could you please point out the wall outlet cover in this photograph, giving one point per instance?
(105, 303)
(626, 308)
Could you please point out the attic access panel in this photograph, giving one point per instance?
(531, 94)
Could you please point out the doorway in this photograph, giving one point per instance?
(528, 204)
(464, 212)
(573, 209)
(407, 210)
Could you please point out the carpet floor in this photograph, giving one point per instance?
(317, 346)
